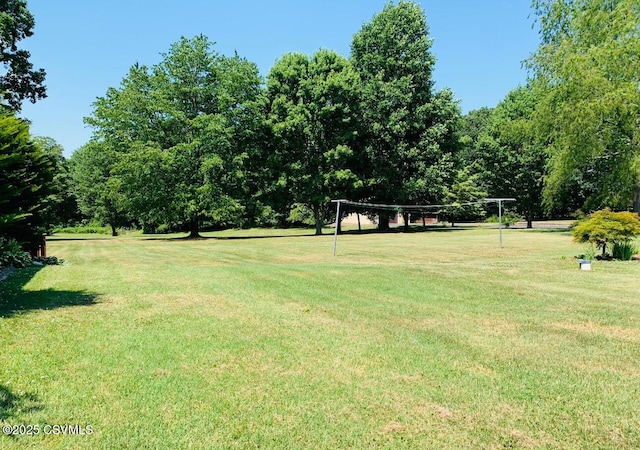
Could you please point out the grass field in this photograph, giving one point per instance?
(263, 339)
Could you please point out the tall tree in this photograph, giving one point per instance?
(465, 196)
(587, 64)
(97, 187)
(181, 128)
(18, 81)
(26, 174)
(509, 158)
(60, 206)
(408, 129)
(312, 114)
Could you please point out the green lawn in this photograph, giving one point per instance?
(263, 339)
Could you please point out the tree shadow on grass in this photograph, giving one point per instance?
(14, 299)
(543, 230)
(227, 238)
(78, 238)
(12, 404)
(392, 230)
(411, 230)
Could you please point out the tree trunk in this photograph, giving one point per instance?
(529, 221)
(194, 228)
(405, 217)
(359, 227)
(383, 221)
(114, 231)
(318, 219)
(636, 199)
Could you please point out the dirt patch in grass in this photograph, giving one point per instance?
(393, 428)
(436, 409)
(479, 369)
(519, 439)
(596, 329)
(498, 326)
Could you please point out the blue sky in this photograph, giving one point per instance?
(87, 46)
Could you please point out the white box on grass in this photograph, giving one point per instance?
(584, 264)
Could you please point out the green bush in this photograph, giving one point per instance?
(83, 229)
(163, 229)
(624, 250)
(508, 219)
(49, 260)
(607, 228)
(301, 215)
(11, 254)
(267, 217)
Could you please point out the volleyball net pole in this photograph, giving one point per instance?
(335, 232)
(500, 200)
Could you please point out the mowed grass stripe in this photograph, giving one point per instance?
(436, 339)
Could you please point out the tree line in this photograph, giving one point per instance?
(200, 139)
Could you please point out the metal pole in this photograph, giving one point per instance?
(500, 220)
(499, 201)
(335, 233)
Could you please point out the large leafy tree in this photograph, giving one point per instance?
(606, 227)
(472, 126)
(587, 66)
(26, 175)
(60, 206)
(18, 80)
(509, 157)
(465, 197)
(182, 129)
(96, 185)
(312, 104)
(408, 128)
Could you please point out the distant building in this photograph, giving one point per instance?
(397, 220)
(415, 218)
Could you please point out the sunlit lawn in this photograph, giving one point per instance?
(264, 339)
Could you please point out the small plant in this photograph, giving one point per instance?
(624, 250)
(589, 252)
(11, 254)
(49, 260)
(606, 228)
